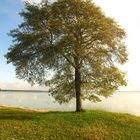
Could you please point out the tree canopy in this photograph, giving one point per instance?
(77, 42)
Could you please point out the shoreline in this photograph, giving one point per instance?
(24, 108)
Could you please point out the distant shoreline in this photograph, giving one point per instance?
(9, 90)
(14, 90)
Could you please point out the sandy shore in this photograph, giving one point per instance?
(24, 108)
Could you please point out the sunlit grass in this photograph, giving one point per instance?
(18, 124)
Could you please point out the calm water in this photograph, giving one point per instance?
(128, 102)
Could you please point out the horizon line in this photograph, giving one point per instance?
(30, 90)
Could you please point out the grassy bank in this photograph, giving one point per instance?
(18, 124)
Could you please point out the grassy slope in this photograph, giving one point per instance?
(18, 124)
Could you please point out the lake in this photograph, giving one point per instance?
(126, 102)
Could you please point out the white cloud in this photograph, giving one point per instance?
(37, 1)
(33, 1)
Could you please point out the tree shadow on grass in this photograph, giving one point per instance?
(17, 116)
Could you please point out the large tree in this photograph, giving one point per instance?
(77, 42)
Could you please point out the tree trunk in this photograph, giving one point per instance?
(78, 87)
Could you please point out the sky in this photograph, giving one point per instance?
(125, 13)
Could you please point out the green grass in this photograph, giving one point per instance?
(19, 124)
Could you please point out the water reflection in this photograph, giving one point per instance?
(119, 102)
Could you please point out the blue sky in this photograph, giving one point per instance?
(9, 19)
(126, 13)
